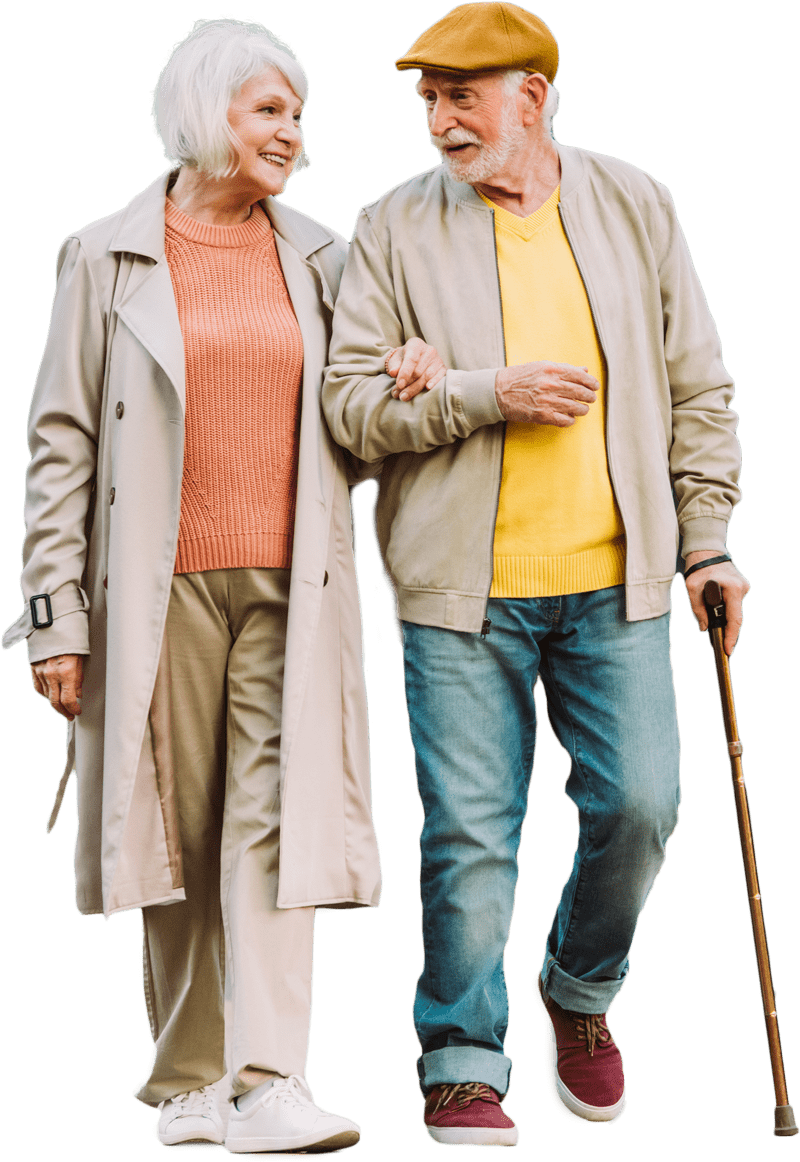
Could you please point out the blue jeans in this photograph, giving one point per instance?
(473, 723)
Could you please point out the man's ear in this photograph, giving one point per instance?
(534, 89)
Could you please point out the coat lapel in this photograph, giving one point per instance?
(303, 283)
(148, 305)
(149, 311)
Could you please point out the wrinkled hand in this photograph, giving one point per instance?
(60, 679)
(545, 393)
(415, 366)
(733, 586)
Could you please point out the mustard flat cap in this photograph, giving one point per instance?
(485, 38)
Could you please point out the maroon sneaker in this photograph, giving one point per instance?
(589, 1076)
(468, 1114)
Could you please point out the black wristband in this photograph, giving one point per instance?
(702, 564)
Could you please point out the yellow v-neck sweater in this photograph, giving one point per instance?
(558, 528)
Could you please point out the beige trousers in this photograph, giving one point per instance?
(227, 974)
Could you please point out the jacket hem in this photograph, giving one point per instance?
(444, 608)
(464, 612)
(646, 599)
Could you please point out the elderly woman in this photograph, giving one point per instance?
(192, 605)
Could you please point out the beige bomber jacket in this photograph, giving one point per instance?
(423, 263)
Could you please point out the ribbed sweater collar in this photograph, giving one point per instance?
(534, 223)
(253, 232)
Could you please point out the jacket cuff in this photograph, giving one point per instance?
(477, 396)
(67, 635)
(703, 532)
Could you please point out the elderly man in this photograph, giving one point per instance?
(530, 512)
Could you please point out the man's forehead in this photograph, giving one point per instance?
(448, 80)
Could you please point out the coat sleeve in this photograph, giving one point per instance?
(356, 394)
(63, 434)
(704, 457)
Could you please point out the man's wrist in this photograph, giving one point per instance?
(697, 555)
(691, 567)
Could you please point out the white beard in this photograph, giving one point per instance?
(490, 159)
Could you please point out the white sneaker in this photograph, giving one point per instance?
(199, 1116)
(281, 1115)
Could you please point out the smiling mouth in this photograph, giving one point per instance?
(452, 150)
(275, 159)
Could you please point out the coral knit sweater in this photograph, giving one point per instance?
(244, 363)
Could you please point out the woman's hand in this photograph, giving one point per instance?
(61, 680)
(415, 366)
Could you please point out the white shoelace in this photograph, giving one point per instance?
(290, 1090)
(197, 1103)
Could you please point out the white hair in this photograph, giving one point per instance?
(204, 74)
(513, 78)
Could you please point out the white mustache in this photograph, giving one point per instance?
(455, 136)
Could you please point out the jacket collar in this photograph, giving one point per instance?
(571, 175)
(141, 226)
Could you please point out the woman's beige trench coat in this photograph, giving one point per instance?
(102, 511)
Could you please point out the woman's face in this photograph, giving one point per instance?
(265, 116)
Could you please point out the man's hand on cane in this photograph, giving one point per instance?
(733, 585)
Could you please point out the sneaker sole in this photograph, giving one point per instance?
(473, 1136)
(198, 1146)
(309, 1142)
(565, 1102)
(286, 1156)
(178, 1139)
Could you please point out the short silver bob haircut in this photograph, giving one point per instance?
(202, 77)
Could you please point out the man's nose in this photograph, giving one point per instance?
(440, 118)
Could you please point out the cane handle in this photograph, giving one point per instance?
(715, 605)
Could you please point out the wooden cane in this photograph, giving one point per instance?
(715, 607)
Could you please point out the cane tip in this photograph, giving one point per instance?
(784, 1122)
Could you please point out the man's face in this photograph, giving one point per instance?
(474, 121)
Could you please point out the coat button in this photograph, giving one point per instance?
(111, 495)
(120, 410)
(325, 579)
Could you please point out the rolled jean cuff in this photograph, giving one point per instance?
(464, 1063)
(579, 996)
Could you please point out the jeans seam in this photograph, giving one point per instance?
(577, 894)
(423, 883)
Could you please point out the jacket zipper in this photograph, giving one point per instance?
(596, 321)
(487, 624)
